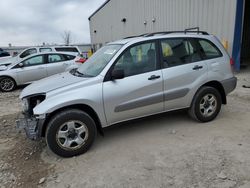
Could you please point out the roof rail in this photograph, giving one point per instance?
(188, 30)
(142, 35)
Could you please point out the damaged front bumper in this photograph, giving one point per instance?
(31, 125)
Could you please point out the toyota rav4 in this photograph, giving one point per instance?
(125, 80)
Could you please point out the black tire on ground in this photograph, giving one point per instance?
(197, 112)
(7, 84)
(60, 123)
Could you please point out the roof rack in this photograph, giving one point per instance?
(188, 30)
(142, 35)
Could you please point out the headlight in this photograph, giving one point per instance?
(25, 104)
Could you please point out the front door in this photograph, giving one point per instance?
(140, 92)
(33, 69)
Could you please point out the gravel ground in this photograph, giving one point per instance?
(167, 150)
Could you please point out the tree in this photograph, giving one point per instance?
(67, 37)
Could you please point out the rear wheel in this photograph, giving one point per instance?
(7, 84)
(206, 104)
(70, 133)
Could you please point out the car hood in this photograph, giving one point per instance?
(3, 67)
(51, 83)
(8, 61)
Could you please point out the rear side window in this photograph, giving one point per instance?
(45, 49)
(179, 51)
(69, 57)
(53, 58)
(66, 49)
(208, 49)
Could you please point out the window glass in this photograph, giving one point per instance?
(69, 57)
(53, 58)
(209, 50)
(28, 52)
(138, 59)
(178, 52)
(63, 49)
(45, 49)
(97, 62)
(37, 60)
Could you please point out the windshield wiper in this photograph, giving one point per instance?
(79, 73)
(75, 72)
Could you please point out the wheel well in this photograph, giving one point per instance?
(82, 107)
(217, 85)
(3, 76)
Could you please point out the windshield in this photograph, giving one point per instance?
(96, 63)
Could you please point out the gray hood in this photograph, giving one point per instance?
(51, 83)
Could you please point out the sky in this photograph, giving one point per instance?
(32, 22)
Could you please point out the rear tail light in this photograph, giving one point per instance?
(81, 60)
(231, 61)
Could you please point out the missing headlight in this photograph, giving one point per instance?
(29, 103)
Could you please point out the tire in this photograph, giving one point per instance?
(206, 104)
(7, 84)
(70, 133)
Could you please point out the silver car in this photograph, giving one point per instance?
(73, 50)
(128, 79)
(34, 67)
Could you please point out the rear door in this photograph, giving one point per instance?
(33, 69)
(57, 63)
(183, 71)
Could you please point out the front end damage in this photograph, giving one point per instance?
(32, 124)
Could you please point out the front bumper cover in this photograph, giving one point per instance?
(32, 126)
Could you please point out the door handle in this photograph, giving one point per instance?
(197, 67)
(153, 77)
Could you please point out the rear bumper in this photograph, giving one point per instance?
(32, 127)
(229, 84)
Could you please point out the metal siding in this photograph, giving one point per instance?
(215, 16)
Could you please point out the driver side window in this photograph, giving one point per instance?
(138, 59)
(37, 60)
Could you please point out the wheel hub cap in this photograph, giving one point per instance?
(208, 105)
(72, 135)
(7, 84)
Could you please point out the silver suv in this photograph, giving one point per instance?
(128, 79)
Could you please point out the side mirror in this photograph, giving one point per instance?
(117, 74)
(21, 65)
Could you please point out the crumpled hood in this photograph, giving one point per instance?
(51, 83)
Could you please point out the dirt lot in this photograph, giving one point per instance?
(168, 150)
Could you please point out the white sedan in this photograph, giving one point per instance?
(35, 67)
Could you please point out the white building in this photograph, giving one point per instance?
(229, 20)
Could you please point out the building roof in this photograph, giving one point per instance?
(99, 9)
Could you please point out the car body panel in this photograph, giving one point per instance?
(123, 100)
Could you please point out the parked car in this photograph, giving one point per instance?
(74, 50)
(34, 67)
(3, 53)
(128, 79)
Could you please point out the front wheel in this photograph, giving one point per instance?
(7, 84)
(70, 133)
(206, 104)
